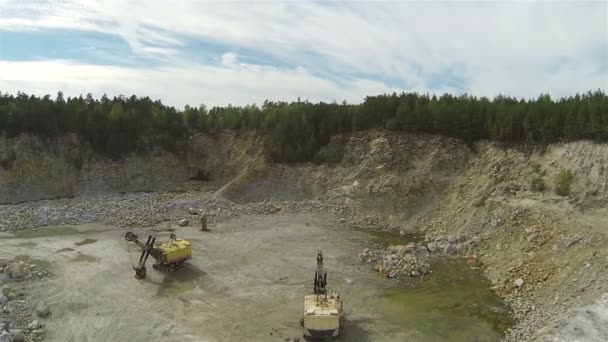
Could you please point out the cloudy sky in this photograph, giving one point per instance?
(220, 52)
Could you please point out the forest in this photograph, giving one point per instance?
(295, 131)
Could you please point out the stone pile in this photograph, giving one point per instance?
(398, 261)
(16, 323)
(23, 270)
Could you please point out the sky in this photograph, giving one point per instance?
(227, 52)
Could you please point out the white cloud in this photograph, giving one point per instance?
(229, 59)
(497, 47)
(189, 84)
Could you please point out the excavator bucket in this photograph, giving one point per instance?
(140, 270)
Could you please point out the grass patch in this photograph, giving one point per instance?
(537, 184)
(563, 183)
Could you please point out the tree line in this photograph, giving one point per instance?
(295, 131)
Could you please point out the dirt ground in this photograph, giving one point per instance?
(245, 283)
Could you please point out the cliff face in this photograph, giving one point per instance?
(34, 168)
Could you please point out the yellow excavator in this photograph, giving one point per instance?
(169, 256)
(323, 312)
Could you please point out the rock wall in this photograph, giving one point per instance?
(35, 168)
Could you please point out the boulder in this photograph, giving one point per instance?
(192, 211)
(33, 325)
(43, 309)
(423, 267)
(519, 282)
(532, 237)
(16, 270)
(449, 249)
(476, 240)
(183, 222)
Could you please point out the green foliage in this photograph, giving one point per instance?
(564, 180)
(537, 184)
(296, 131)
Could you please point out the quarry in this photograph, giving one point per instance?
(426, 238)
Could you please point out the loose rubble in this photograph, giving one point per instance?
(398, 261)
(16, 317)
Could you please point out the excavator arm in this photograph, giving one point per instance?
(146, 249)
(320, 284)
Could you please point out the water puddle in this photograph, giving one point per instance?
(85, 242)
(45, 232)
(454, 303)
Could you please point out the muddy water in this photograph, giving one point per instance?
(454, 303)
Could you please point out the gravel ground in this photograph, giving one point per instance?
(152, 209)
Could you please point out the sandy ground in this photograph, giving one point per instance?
(245, 283)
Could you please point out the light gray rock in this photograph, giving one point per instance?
(451, 238)
(192, 211)
(43, 309)
(3, 299)
(183, 222)
(519, 282)
(476, 240)
(449, 249)
(33, 325)
(532, 237)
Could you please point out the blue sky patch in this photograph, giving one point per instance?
(87, 47)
